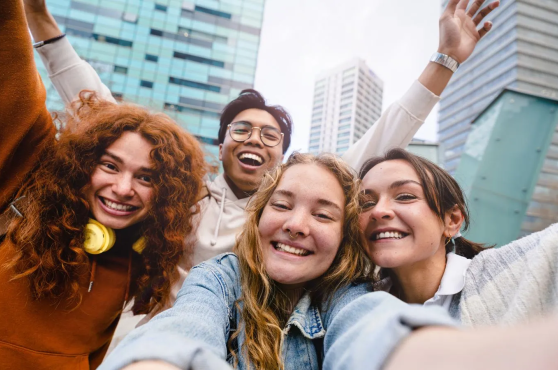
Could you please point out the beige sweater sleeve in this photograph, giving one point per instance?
(395, 128)
(69, 73)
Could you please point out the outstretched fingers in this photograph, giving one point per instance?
(452, 4)
(484, 30)
(475, 7)
(484, 12)
(462, 5)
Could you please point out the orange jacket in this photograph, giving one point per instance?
(44, 334)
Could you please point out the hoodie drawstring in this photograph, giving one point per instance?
(216, 233)
(92, 278)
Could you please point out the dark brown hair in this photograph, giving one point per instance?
(441, 191)
(49, 239)
(252, 99)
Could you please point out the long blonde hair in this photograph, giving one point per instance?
(265, 308)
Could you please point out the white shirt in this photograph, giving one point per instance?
(452, 282)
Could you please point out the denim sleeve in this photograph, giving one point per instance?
(367, 330)
(193, 333)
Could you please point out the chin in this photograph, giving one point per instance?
(385, 260)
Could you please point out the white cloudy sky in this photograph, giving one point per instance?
(301, 38)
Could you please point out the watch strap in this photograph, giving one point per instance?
(446, 61)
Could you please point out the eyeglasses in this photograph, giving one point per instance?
(242, 131)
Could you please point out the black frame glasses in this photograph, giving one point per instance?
(265, 133)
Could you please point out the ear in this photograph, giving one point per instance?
(453, 220)
(221, 152)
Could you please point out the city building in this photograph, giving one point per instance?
(521, 52)
(347, 101)
(425, 149)
(509, 168)
(188, 58)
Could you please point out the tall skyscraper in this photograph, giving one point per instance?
(188, 58)
(347, 101)
(521, 52)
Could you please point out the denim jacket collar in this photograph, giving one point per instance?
(307, 319)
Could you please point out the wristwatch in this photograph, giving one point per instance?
(446, 61)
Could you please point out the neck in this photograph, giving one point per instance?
(419, 282)
(293, 294)
(238, 193)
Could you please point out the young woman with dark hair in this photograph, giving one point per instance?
(413, 212)
(94, 217)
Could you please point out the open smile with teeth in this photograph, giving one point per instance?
(292, 250)
(118, 206)
(388, 235)
(251, 159)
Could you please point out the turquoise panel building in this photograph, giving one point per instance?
(187, 58)
(509, 168)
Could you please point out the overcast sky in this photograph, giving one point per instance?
(301, 38)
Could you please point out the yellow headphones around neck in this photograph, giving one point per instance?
(99, 239)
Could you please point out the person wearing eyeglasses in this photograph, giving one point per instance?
(253, 136)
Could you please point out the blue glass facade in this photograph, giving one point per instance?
(520, 52)
(187, 58)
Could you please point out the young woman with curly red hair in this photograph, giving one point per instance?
(118, 167)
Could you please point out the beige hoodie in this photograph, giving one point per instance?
(222, 213)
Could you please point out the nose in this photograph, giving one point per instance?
(382, 211)
(124, 186)
(255, 138)
(297, 224)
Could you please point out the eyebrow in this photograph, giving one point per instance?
(397, 184)
(323, 202)
(119, 160)
(394, 185)
(250, 123)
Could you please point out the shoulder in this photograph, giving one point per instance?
(342, 298)
(220, 273)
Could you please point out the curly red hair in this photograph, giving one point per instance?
(49, 239)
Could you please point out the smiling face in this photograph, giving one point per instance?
(400, 228)
(301, 225)
(245, 163)
(120, 190)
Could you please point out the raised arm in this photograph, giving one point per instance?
(399, 123)
(26, 124)
(67, 71)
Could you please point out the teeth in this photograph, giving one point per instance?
(287, 248)
(389, 235)
(118, 207)
(255, 157)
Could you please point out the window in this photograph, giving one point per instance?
(348, 111)
(347, 119)
(202, 60)
(119, 69)
(343, 142)
(315, 147)
(156, 32)
(147, 84)
(347, 133)
(151, 58)
(162, 8)
(112, 40)
(344, 127)
(195, 85)
(213, 12)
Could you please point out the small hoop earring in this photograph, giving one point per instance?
(291, 235)
(448, 240)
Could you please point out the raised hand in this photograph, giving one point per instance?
(458, 27)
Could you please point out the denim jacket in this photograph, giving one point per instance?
(193, 334)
